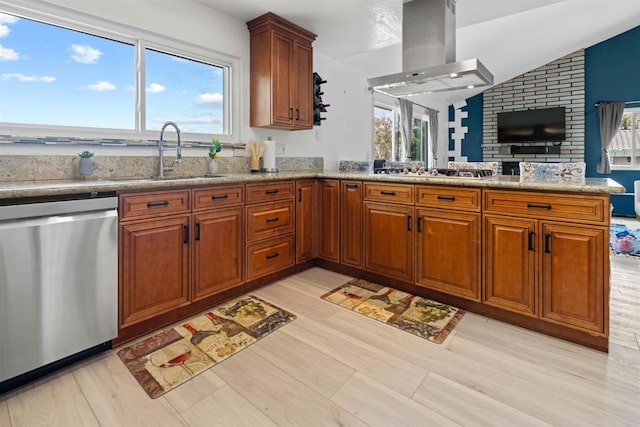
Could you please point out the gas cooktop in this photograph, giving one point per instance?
(466, 173)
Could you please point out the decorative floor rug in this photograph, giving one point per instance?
(175, 355)
(419, 316)
(623, 240)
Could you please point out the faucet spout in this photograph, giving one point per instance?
(161, 149)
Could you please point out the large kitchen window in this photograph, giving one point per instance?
(624, 151)
(387, 139)
(62, 76)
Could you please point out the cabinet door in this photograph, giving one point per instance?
(305, 220)
(510, 264)
(329, 220)
(282, 93)
(303, 86)
(154, 257)
(449, 252)
(573, 282)
(217, 251)
(388, 240)
(351, 223)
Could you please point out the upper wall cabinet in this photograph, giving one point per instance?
(281, 74)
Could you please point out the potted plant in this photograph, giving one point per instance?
(86, 166)
(214, 153)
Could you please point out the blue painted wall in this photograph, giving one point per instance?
(472, 142)
(612, 73)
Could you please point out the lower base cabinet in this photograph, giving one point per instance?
(448, 252)
(269, 256)
(154, 268)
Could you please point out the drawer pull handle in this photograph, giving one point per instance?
(547, 243)
(409, 223)
(531, 234)
(221, 196)
(351, 185)
(290, 113)
(420, 224)
(185, 228)
(537, 206)
(449, 198)
(388, 193)
(272, 191)
(299, 194)
(197, 231)
(157, 204)
(273, 219)
(273, 256)
(297, 114)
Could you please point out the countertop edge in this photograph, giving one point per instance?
(21, 189)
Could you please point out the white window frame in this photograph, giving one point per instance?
(140, 39)
(392, 104)
(635, 111)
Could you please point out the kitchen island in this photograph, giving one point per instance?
(531, 253)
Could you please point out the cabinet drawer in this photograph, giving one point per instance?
(394, 193)
(257, 193)
(213, 197)
(576, 208)
(269, 220)
(141, 205)
(464, 199)
(269, 256)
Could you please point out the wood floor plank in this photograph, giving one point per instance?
(378, 405)
(326, 279)
(115, 395)
(318, 371)
(594, 394)
(193, 391)
(374, 361)
(468, 407)
(55, 400)
(226, 407)
(315, 308)
(5, 420)
(286, 401)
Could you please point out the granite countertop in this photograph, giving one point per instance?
(18, 189)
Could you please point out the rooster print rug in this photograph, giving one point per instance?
(175, 355)
(419, 316)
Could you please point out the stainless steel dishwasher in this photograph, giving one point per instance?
(58, 283)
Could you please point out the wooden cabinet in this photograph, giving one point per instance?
(305, 220)
(448, 252)
(448, 234)
(217, 251)
(351, 223)
(154, 267)
(547, 257)
(270, 227)
(510, 264)
(281, 72)
(388, 240)
(329, 219)
(573, 275)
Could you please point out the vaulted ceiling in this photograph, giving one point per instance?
(509, 36)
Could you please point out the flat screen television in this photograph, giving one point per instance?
(547, 124)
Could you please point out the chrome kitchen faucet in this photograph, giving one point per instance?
(161, 148)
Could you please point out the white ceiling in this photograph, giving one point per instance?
(509, 36)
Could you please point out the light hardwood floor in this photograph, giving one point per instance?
(335, 367)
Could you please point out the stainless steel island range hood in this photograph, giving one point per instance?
(429, 54)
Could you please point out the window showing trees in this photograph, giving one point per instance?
(59, 74)
(387, 139)
(624, 151)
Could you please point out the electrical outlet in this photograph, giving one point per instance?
(279, 147)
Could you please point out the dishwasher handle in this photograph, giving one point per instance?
(66, 207)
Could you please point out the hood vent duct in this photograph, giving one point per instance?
(429, 54)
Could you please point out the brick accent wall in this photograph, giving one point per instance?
(557, 84)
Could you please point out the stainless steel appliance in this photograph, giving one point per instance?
(58, 282)
(467, 173)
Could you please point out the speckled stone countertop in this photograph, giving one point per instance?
(20, 189)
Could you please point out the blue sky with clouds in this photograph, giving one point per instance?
(55, 76)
